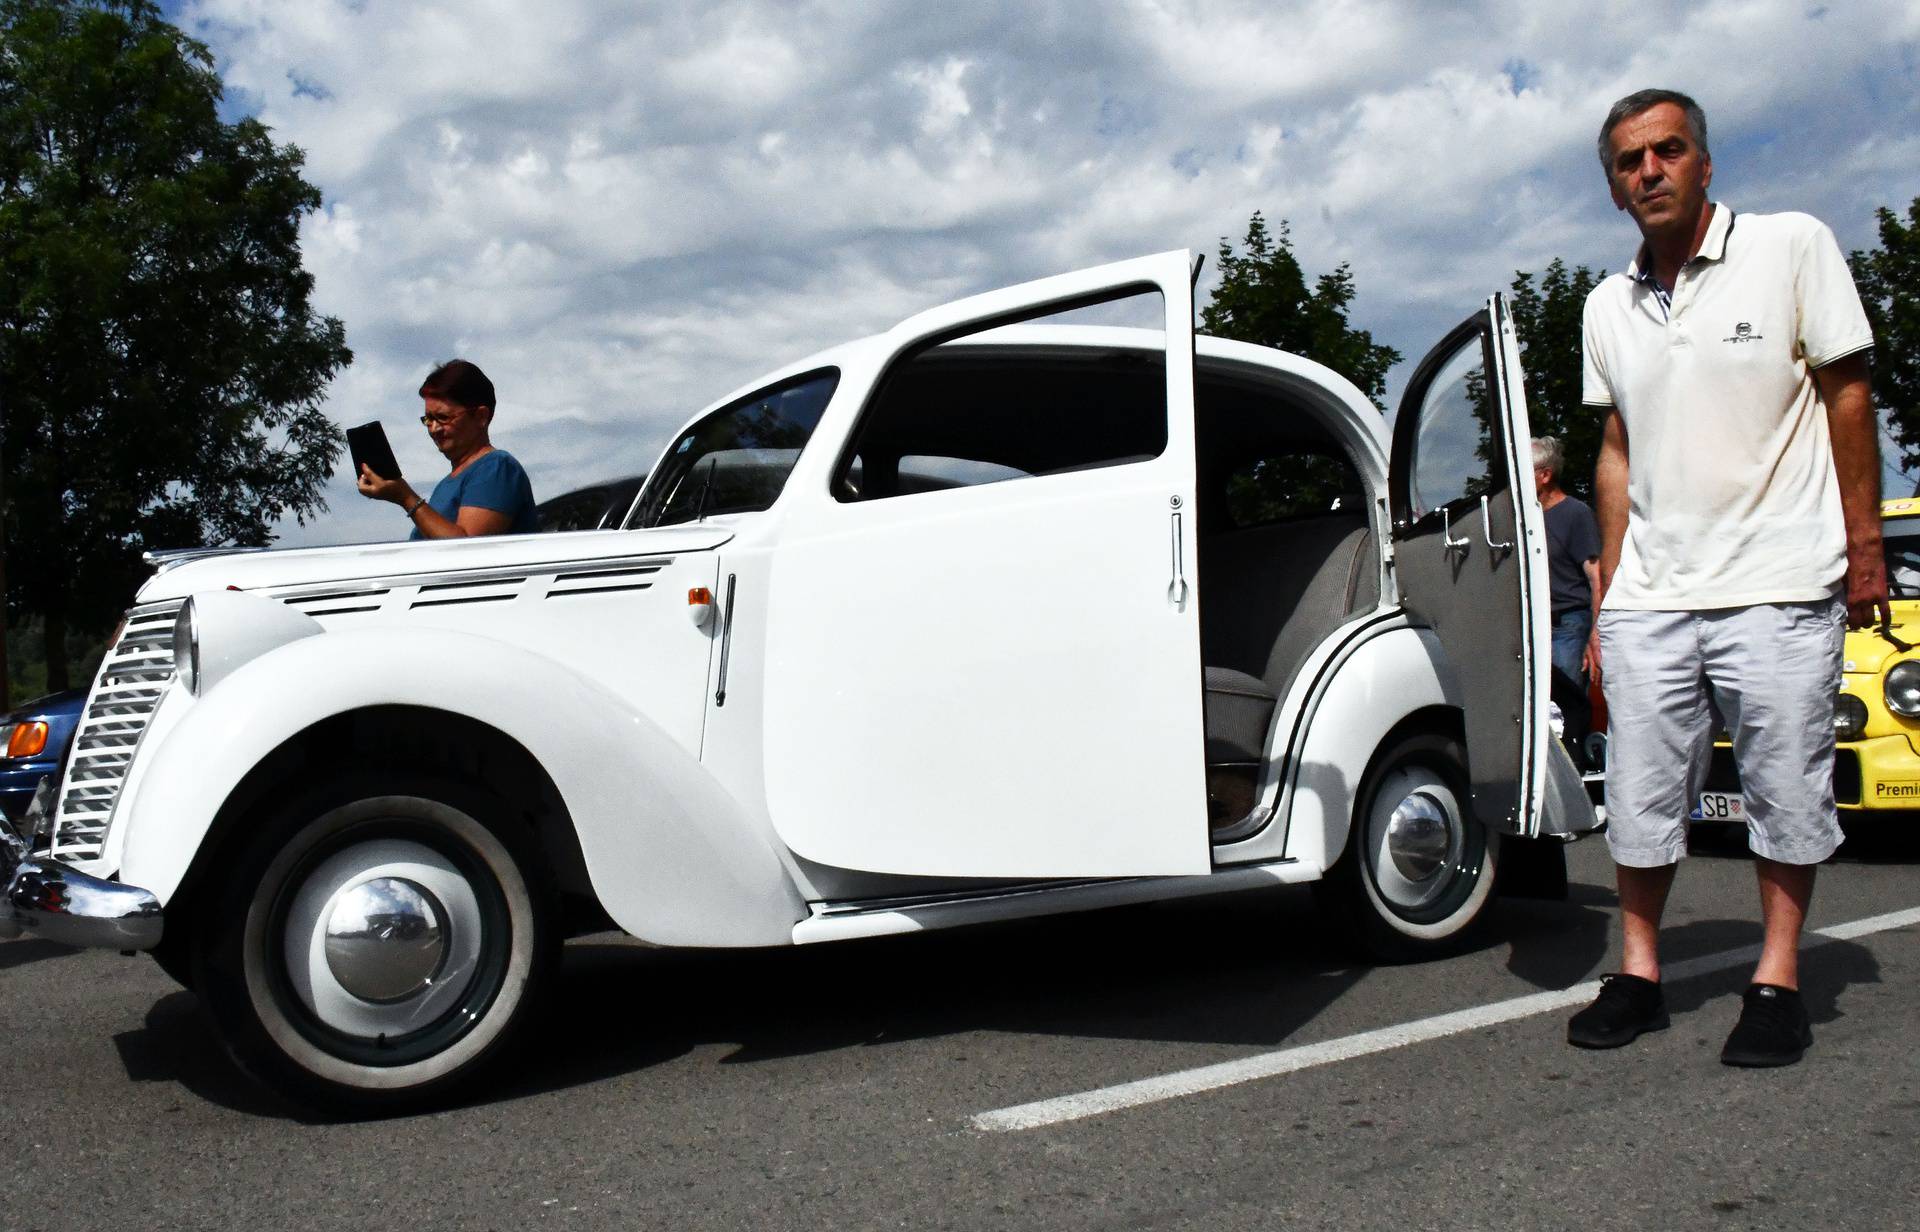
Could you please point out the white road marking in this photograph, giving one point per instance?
(1291, 1060)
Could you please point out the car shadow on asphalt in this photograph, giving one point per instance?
(26, 950)
(1247, 969)
(177, 1045)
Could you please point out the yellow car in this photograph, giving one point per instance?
(1876, 718)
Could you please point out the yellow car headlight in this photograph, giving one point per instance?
(1849, 717)
(1902, 688)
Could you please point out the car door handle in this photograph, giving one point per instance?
(1451, 545)
(1486, 529)
(1177, 588)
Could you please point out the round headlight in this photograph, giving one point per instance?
(186, 648)
(1903, 688)
(1849, 717)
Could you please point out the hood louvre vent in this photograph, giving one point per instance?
(337, 602)
(598, 581)
(473, 590)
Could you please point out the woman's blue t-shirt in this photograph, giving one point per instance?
(495, 481)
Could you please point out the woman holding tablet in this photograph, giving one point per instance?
(486, 492)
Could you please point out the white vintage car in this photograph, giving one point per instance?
(975, 619)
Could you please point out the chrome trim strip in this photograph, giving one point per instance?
(726, 643)
(832, 909)
(499, 573)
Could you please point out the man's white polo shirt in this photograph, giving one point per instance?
(1732, 497)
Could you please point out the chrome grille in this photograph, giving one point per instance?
(133, 676)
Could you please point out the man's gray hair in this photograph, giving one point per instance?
(1637, 102)
(1548, 455)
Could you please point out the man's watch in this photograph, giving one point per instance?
(415, 507)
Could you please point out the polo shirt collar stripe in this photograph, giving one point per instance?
(1713, 248)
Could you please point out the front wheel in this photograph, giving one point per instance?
(374, 952)
(1419, 866)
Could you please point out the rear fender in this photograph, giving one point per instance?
(1386, 680)
(672, 857)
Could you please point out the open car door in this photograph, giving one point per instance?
(1470, 555)
(999, 675)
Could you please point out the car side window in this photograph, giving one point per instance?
(1453, 453)
(737, 459)
(1297, 483)
(962, 416)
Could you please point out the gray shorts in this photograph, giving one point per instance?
(1771, 671)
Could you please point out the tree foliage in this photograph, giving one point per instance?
(161, 367)
(1546, 318)
(1263, 297)
(1889, 282)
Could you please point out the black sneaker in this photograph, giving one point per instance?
(1773, 1028)
(1627, 1007)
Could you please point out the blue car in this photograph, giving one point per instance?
(34, 739)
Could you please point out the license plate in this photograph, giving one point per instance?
(1718, 806)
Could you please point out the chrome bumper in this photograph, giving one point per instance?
(44, 898)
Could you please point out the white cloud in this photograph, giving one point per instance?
(624, 211)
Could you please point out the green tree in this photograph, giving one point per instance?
(1889, 281)
(1546, 318)
(161, 367)
(1263, 297)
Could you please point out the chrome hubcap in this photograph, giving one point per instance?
(1418, 837)
(386, 939)
(382, 938)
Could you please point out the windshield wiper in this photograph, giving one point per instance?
(700, 507)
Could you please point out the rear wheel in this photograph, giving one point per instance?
(377, 950)
(1419, 866)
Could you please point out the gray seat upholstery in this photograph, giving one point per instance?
(1268, 595)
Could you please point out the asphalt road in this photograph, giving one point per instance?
(838, 1086)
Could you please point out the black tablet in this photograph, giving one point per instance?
(368, 444)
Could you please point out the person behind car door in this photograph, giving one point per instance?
(1573, 560)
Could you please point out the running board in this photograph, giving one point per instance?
(843, 921)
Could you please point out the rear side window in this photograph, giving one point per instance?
(1293, 484)
(737, 459)
(965, 416)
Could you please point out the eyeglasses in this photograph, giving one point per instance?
(436, 421)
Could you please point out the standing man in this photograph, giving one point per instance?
(1738, 495)
(1573, 561)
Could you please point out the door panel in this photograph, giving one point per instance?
(998, 680)
(1470, 554)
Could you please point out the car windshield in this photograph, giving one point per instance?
(1902, 537)
(737, 459)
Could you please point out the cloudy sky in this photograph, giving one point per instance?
(624, 210)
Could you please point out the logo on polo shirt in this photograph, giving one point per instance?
(1743, 332)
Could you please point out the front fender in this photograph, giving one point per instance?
(672, 856)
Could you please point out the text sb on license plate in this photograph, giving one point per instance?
(1718, 806)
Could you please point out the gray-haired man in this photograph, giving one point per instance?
(1573, 561)
(1738, 498)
